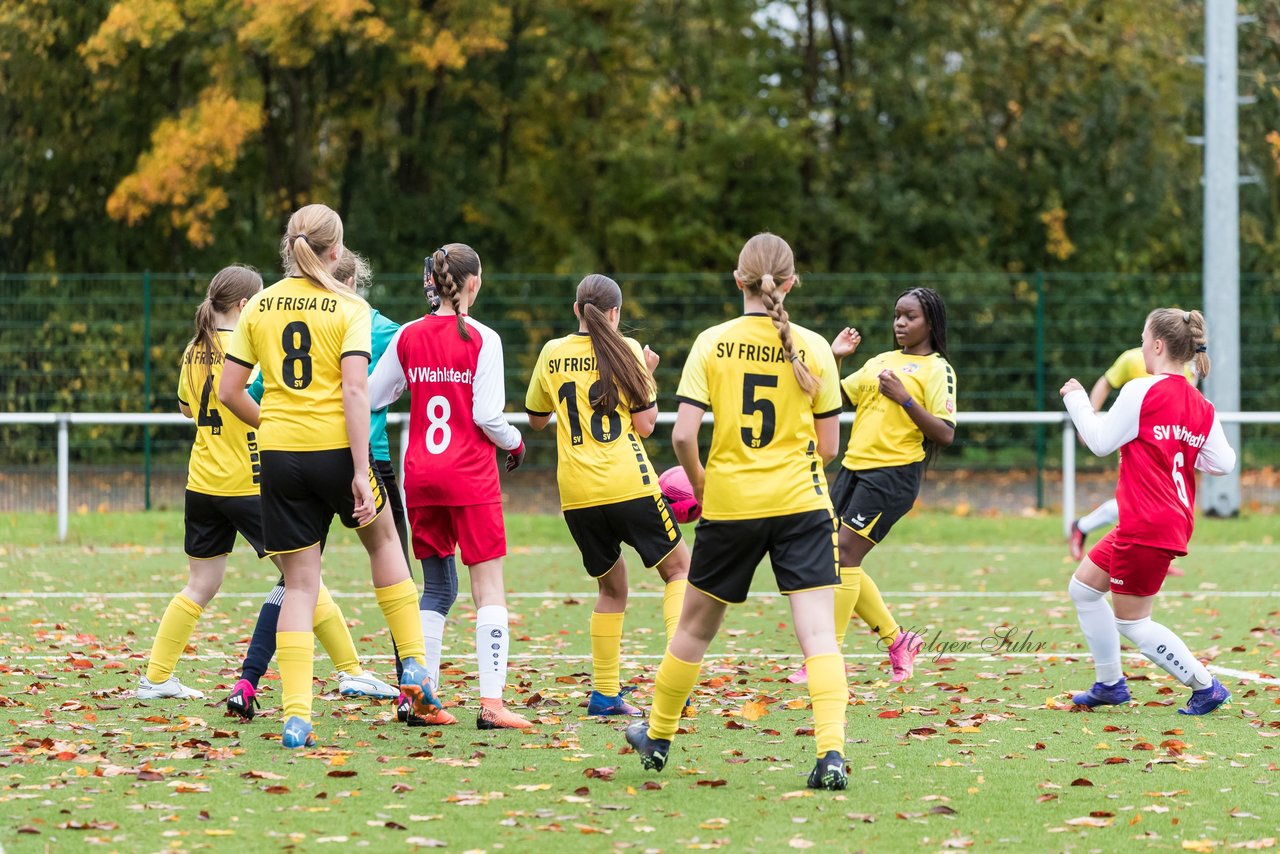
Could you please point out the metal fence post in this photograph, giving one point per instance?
(64, 498)
(1040, 380)
(146, 387)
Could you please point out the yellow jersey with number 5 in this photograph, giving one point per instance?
(298, 333)
(599, 457)
(224, 455)
(763, 460)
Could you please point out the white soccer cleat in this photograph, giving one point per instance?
(169, 689)
(365, 685)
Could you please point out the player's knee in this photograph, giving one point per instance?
(1083, 594)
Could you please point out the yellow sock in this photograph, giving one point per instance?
(874, 612)
(171, 637)
(295, 654)
(829, 693)
(606, 650)
(846, 598)
(670, 690)
(399, 604)
(672, 604)
(330, 627)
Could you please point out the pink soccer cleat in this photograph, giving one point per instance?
(902, 655)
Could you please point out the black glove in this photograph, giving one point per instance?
(515, 458)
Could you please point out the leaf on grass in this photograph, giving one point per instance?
(424, 842)
(262, 775)
(941, 809)
(732, 724)
(714, 784)
(341, 774)
(1115, 760)
(1249, 844)
(1044, 799)
(533, 787)
(754, 710)
(864, 817)
(799, 842)
(1090, 821)
(891, 713)
(1143, 745)
(146, 775)
(957, 842)
(1082, 781)
(652, 786)
(276, 790)
(1199, 844)
(804, 731)
(604, 773)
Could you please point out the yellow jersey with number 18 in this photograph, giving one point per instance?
(599, 457)
(763, 460)
(224, 455)
(298, 333)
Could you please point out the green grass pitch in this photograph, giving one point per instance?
(978, 750)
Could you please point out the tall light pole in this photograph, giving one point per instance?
(1220, 496)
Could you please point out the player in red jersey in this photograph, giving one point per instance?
(1165, 431)
(452, 366)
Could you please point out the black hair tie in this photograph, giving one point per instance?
(1202, 349)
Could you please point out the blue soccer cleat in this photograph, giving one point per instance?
(829, 773)
(602, 704)
(416, 685)
(653, 751)
(1103, 695)
(1205, 700)
(297, 733)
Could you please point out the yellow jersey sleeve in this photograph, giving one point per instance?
(822, 365)
(537, 399)
(940, 391)
(849, 386)
(184, 379)
(1127, 366)
(693, 379)
(358, 339)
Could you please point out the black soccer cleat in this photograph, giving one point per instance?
(829, 773)
(652, 751)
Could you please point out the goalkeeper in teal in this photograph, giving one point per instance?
(330, 623)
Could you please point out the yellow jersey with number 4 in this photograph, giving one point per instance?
(298, 333)
(224, 455)
(763, 460)
(599, 457)
(883, 433)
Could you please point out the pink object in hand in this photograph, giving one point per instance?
(678, 493)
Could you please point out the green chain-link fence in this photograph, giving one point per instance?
(111, 343)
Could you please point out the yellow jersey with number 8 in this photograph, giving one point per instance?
(298, 333)
(763, 460)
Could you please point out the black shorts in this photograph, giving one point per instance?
(387, 475)
(871, 501)
(301, 493)
(212, 522)
(801, 546)
(643, 523)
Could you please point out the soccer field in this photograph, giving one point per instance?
(978, 750)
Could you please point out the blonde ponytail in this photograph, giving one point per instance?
(765, 259)
(313, 231)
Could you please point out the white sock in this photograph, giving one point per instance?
(1106, 513)
(1099, 626)
(1167, 650)
(492, 644)
(432, 639)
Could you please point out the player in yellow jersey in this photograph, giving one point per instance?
(774, 389)
(310, 336)
(905, 400)
(600, 387)
(222, 480)
(1127, 366)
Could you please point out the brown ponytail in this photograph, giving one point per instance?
(1184, 334)
(453, 264)
(763, 262)
(313, 230)
(622, 378)
(226, 289)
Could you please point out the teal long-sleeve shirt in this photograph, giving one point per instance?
(383, 330)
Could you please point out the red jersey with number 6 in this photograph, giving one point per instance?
(1165, 431)
(455, 410)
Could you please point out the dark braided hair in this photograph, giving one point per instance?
(452, 265)
(935, 314)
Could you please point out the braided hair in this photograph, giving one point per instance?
(764, 262)
(453, 264)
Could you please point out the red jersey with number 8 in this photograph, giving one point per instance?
(1165, 431)
(455, 410)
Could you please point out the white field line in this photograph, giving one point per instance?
(519, 551)
(744, 656)
(654, 594)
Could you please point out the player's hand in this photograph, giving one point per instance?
(1069, 386)
(651, 359)
(365, 507)
(892, 387)
(516, 457)
(845, 343)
